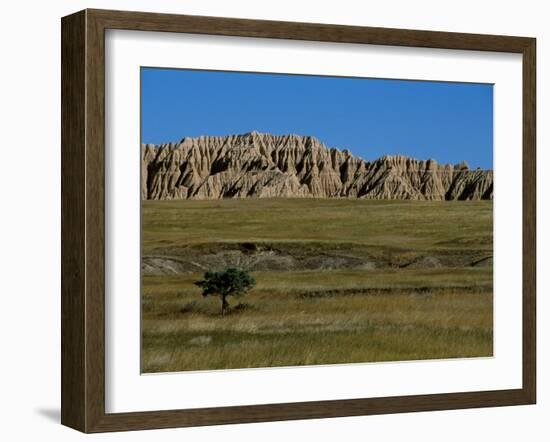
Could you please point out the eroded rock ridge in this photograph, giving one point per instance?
(292, 166)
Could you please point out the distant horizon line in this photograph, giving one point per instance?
(254, 131)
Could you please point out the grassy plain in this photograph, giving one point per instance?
(422, 297)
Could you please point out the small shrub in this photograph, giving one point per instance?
(230, 282)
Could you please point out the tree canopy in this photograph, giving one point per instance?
(229, 282)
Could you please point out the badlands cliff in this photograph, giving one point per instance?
(264, 166)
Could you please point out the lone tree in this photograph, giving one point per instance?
(230, 282)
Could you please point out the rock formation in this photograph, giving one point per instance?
(292, 166)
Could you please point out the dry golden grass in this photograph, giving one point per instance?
(281, 325)
(325, 316)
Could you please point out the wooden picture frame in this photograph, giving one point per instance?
(83, 220)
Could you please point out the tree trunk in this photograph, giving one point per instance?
(225, 304)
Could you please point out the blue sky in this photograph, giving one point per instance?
(448, 122)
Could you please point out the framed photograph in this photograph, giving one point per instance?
(268, 221)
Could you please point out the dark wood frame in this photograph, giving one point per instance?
(83, 215)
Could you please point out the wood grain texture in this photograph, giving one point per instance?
(83, 220)
(144, 21)
(73, 129)
(95, 221)
(529, 221)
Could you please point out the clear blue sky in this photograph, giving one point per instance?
(448, 122)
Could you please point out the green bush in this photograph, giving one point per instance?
(229, 282)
